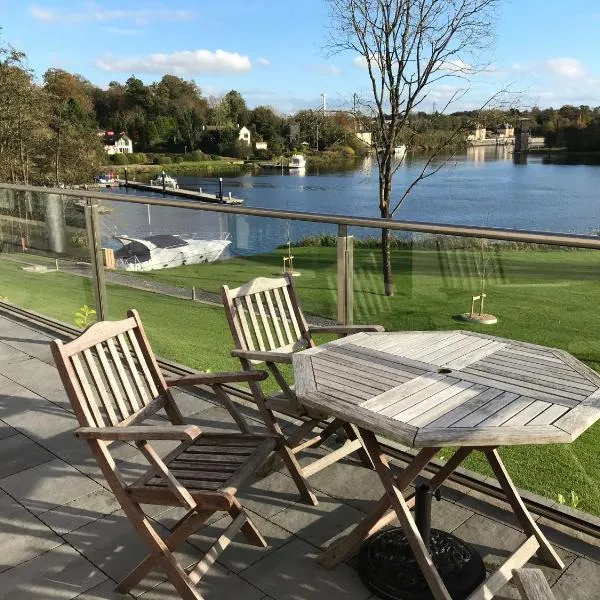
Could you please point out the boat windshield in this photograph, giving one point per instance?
(166, 241)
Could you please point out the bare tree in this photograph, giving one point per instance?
(407, 46)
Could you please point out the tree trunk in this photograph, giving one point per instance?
(385, 190)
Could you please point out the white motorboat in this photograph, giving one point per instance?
(400, 151)
(297, 162)
(165, 251)
(106, 179)
(170, 182)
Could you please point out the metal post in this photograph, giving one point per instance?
(163, 179)
(126, 178)
(423, 512)
(345, 276)
(221, 188)
(92, 220)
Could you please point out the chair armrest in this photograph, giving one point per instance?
(132, 433)
(217, 378)
(346, 328)
(276, 357)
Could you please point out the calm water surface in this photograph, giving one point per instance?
(483, 187)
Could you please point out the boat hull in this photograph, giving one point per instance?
(196, 252)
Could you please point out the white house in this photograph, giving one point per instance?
(260, 145)
(244, 135)
(478, 134)
(366, 137)
(117, 144)
(506, 130)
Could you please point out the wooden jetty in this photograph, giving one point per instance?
(182, 193)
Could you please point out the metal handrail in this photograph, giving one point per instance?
(508, 235)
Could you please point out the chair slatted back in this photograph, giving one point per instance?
(265, 315)
(111, 375)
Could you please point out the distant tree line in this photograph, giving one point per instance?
(49, 130)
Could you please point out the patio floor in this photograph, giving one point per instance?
(62, 535)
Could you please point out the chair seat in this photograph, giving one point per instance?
(212, 464)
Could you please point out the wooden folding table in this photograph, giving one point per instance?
(428, 390)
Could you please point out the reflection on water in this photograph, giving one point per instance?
(481, 154)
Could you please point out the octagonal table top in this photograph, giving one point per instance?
(450, 388)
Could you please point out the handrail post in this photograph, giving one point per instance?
(92, 222)
(345, 276)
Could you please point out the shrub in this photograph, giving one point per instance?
(347, 151)
(178, 159)
(156, 160)
(197, 155)
(263, 154)
(137, 158)
(166, 160)
(119, 159)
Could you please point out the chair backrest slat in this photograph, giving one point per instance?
(265, 322)
(125, 383)
(246, 337)
(143, 364)
(286, 326)
(291, 312)
(133, 369)
(255, 327)
(100, 387)
(87, 391)
(111, 375)
(274, 318)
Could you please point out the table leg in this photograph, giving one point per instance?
(409, 527)
(377, 518)
(546, 552)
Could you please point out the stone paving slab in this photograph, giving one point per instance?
(62, 570)
(63, 536)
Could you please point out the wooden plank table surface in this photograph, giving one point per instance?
(429, 389)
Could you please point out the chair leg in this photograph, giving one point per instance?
(250, 530)
(188, 525)
(275, 462)
(290, 461)
(231, 409)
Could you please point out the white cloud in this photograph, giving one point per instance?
(188, 63)
(263, 62)
(325, 69)
(41, 14)
(566, 67)
(96, 13)
(360, 62)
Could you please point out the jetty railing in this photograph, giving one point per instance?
(542, 287)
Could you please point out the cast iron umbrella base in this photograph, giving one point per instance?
(388, 567)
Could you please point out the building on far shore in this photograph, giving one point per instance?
(506, 130)
(116, 144)
(366, 137)
(478, 134)
(260, 145)
(244, 135)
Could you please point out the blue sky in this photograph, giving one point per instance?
(546, 51)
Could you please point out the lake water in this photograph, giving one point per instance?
(482, 187)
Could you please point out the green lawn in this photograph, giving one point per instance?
(542, 297)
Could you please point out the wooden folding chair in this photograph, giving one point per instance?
(114, 384)
(268, 325)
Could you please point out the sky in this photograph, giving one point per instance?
(545, 52)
